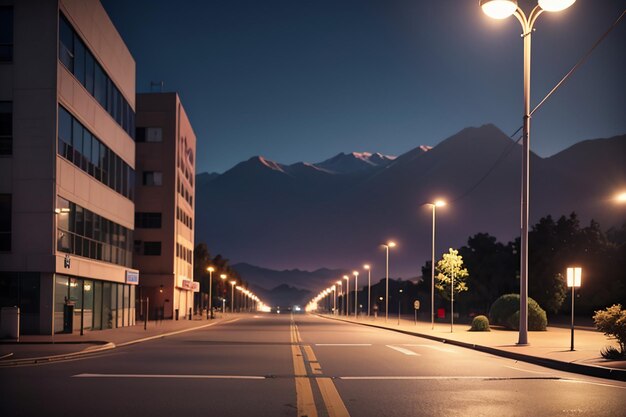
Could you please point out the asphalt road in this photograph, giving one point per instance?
(279, 365)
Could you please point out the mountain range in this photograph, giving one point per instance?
(336, 213)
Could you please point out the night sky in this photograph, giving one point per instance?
(296, 80)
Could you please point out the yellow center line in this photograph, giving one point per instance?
(332, 399)
(304, 393)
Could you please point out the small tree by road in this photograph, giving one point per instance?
(450, 269)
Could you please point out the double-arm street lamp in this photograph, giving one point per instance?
(501, 9)
(387, 245)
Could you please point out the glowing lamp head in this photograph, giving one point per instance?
(233, 282)
(574, 276)
(498, 9)
(339, 282)
(621, 197)
(439, 203)
(223, 276)
(355, 273)
(366, 267)
(391, 244)
(555, 5)
(210, 269)
(346, 277)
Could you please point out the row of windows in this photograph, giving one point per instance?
(182, 190)
(80, 146)
(183, 217)
(84, 233)
(6, 127)
(77, 58)
(147, 248)
(147, 220)
(184, 253)
(5, 222)
(6, 34)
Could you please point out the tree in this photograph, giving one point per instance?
(450, 269)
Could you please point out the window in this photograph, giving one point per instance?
(5, 222)
(6, 34)
(152, 178)
(152, 248)
(85, 150)
(66, 44)
(79, 60)
(147, 220)
(154, 134)
(6, 127)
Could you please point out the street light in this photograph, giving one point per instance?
(223, 278)
(356, 293)
(340, 283)
(369, 286)
(210, 312)
(434, 205)
(388, 245)
(232, 295)
(501, 9)
(334, 287)
(621, 197)
(347, 296)
(574, 278)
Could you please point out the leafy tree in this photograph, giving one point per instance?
(450, 269)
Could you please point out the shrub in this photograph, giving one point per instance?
(612, 322)
(480, 324)
(505, 312)
(612, 353)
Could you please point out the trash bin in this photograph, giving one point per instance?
(176, 314)
(10, 323)
(441, 313)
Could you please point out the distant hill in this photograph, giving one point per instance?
(336, 213)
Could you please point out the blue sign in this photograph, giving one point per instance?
(132, 277)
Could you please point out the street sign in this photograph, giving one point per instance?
(416, 304)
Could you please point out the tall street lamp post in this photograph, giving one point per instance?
(434, 205)
(356, 293)
(210, 312)
(388, 245)
(340, 283)
(574, 278)
(347, 295)
(369, 287)
(223, 277)
(232, 295)
(501, 9)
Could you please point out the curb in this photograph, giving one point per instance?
(589, 370)
(91, 350)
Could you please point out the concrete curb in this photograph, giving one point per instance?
(589, 370)
(105, 346)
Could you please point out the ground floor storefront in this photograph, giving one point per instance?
(67, 304)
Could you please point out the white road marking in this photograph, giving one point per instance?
(343, 344)
(167, 376)
(580, 381)
(524, 370)
(403, 350)
(440, 349)
(440, 378)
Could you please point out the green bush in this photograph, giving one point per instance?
(612, 322)
(505, 312)
(480, 324)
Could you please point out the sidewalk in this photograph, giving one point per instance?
(550, 348)
(45, 348)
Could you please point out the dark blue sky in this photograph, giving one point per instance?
(297, 80)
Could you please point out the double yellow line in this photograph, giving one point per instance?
(304, 393)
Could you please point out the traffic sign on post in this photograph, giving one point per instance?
(416, 304)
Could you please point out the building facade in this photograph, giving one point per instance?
(164, 217)
(67, 167)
